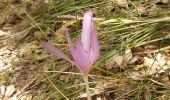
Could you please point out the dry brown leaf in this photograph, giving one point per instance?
(151, 66)
(133, 60)
(114, 61)
(155, 65)
(123, 3)
(10, 90)
(3, 89)
(166, 80)
(138, 49)
(61, 31)
(150, 47)
(109, 63)
(137, 75)
(118, 60)
(127, 57)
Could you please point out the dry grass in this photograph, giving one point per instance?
(141, 27)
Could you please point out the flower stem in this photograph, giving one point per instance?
(87, 87)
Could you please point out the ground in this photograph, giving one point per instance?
(134, 38)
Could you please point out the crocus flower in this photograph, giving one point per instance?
(86, 51)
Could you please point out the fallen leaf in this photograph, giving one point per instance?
(133, 60)
(122, 3)
(118, 60)
(150, 67)
(136, 75)
(166, 80)
(155, 65)
(10, 90)
(3, 89)
(150, 47)
(127, 57)
(114, 61)
(61, 31)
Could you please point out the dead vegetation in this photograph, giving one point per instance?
(135, 49)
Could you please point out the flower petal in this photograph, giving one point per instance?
(91, 57)
(55, 51)
(85, 37)
(94, 44)
(81, 57)
(72, 49)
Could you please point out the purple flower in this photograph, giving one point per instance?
(86, 51)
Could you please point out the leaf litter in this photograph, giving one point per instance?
(29, 61)
(151, 66)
